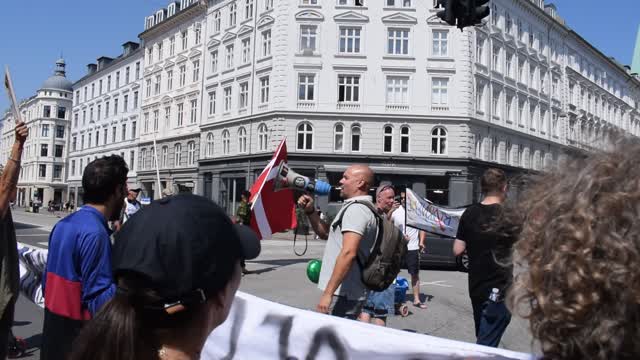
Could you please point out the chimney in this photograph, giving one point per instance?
(129, 47)
(91, 69)
(103, 61)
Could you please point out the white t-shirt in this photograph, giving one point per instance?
(398, 218)
(130, 209)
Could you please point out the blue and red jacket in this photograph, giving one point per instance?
(78, 279)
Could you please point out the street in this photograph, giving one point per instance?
(279, 275)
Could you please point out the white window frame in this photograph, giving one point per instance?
(398, 41)
(209, 152)
(243, 95)
(228, 92)
(338, 134)
(356, 136)
(397, 90)
(266, 43)
(226, 142)
(306, 130)
(229, 56)
(440, 91)
(439, 135)
(387, 135)
(194, 111)
(212, 102)
(351, 88)
(405, 137)
(440, 45)
(264, 89)
(242, 140)
(308, 38)
(169, 79)
(177, 155)
(214, 61)
(349, 39)
(246, 50)
(196, 70)
(191, 153)
(303, 83)
(263, 137)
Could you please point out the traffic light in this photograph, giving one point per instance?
(478, 11)
(447, 15)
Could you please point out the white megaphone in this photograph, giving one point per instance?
(289, 179)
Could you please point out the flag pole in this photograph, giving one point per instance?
(8, 84)
(155, 146)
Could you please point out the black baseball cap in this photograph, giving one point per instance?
(185, 245)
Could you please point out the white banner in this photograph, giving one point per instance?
(261, 329)
(424, 215)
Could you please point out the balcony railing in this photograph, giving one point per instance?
(439, 108)
(348, 106)
(397, 107)
(306, 105)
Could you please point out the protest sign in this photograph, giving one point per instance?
(424, 215)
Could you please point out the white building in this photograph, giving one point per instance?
(174, 41)
(105, 115)
(387, 84)
(47, 115)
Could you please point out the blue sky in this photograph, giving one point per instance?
(34, 33)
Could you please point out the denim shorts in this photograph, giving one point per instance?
(380, 304)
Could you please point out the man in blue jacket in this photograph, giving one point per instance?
(78, 278)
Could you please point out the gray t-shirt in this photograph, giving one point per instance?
(358, 219)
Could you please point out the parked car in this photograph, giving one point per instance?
(439, 253)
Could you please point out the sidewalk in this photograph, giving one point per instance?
(43, 219)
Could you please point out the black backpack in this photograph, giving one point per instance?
(383, 264)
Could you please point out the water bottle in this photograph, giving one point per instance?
(495, 295)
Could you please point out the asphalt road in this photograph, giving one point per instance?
(280, 275)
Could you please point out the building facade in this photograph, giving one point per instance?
(44, 159)
(174, 41)
(106, 115)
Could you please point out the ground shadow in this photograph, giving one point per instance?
(281, 262)
(260, 271)
(19, 226)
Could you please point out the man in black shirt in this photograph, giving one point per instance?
(488, 250)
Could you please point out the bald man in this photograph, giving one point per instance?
(344, 293)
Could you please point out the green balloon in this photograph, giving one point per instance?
(313, 270)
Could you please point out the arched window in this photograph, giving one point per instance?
(338, 137)
(263, 137)
(209, 147)
(191, 153)
(143, 158)
(439, 141)
(356, 135)
(242, 140)
(387, 145)
(153, 157)
(165, 157)
(494, 149)
(177, 155)
(305, 137)
(520, 156)
(404, 139)
(478, 147)
(226, 142)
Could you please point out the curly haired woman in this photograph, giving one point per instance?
(580, 247)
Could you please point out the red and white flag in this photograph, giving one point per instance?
(272, 211)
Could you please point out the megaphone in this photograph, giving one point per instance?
(289, 179)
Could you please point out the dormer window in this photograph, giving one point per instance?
(171, 9)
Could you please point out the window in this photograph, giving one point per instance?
(59, 131)
(232, 15)
(197, 32)
(496, 109)
(495, 63)
(480, 58)
(126, 103)
(349, 88)
(439, 91)
(113, 134)
(544, 123)
(90, 114)
(73, 167)
(309, 2)
(510, 101)
(522, 68)
(82, 142)
(216, 22)
(167, 118)
(137, 71)
(145, 124)
(164, 157)
(194, 111)
(398, 3)
(509, 65)
(93, 90)
(308, 35)
(214, 61)
(246, 50)
(493, 155)
(508, 23)
(263, 137)
(264, 90)
(156, 120)
(227, 99)
(268, 4)
(349, 40)
(133, 130)
(480, 105)
(440, 43)
(212, 102)
(135, 98)
(159, 51)
(404, 139)
(180, 114)
(266, 43)
(98, 137)
(387, 139)
(191, 153)
(554, 87)
(398, 42)
(209, 146)
(356, 135)
(242, 140)
(169, 79)
(143, 158)
(521, 113)
(338, 137)
(439, 141)
(397, 89)
(244, 95)
(306, 87)
(532, 118)
(196, 70)
(554, 124)
(177, 155)
(185, 39)
(62, 112)
(42, 171)
(172, 46)
(248, 9)
(46, 111)
(45, 130)
(148, 87)
(124, 132)
(74, 143)
(183, 75)
(229, 57)
(44, 150)
(115, 106)
(156, 85)
(117, 79)
(226, 142)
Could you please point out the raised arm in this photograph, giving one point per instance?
(11, 172)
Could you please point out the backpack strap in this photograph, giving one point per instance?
(378, 241)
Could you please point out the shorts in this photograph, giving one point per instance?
(380, 304)
(346, 308)
(413, 261)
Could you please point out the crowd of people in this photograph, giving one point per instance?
(167, 277)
